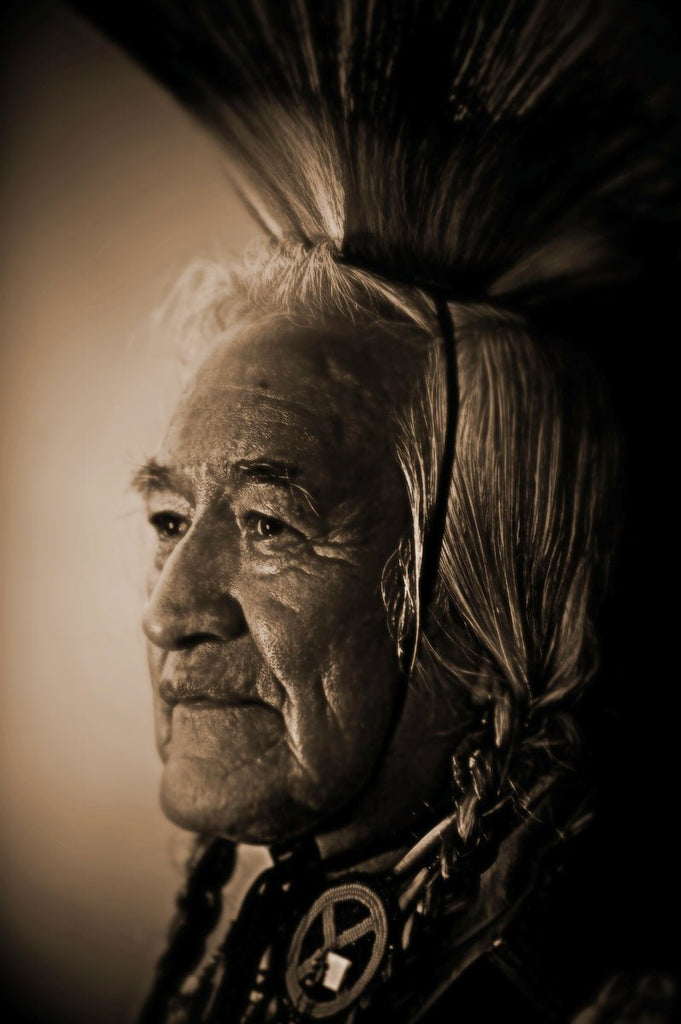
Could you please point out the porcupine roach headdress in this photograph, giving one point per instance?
(458, 156)
(479, 150)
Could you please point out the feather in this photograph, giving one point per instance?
(479, 147)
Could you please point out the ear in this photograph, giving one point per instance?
(398, 589)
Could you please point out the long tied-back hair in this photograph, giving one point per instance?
(488, 158)
(508, 632)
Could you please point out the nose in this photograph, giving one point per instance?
(192, 600)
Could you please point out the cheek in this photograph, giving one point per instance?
(308, 623)
(325, 638)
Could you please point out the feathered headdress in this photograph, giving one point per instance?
(480, 147)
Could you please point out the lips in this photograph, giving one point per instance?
(198, 692)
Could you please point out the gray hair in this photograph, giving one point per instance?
(509, 632)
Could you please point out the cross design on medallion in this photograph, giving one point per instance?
(336, 950)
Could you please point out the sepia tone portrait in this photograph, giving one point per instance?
(335, 358)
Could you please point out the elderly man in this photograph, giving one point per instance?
(384, 505)
(299, 702)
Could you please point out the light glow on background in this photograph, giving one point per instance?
(109, 190)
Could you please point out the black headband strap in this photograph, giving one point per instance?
(466, 286)
(438, 520)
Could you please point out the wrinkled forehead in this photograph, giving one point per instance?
(320, 398)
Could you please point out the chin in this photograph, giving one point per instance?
(200, 795)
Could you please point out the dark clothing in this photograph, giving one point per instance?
(556, 955)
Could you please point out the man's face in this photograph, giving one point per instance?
(277, 501)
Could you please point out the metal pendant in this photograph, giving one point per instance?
(336, 950)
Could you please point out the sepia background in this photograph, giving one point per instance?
(108, 191)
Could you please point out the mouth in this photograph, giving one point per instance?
(195, 695)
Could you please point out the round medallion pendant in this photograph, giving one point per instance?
(336, 950)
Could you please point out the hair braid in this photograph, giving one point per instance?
(480, 768)
(198, 910)
(523, 565)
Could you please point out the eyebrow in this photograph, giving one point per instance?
(152, 477)
(281, 474)
(260, 471)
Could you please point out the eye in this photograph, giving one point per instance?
(262, 526)
(169, 525)
(266, 526)
(268, 530)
